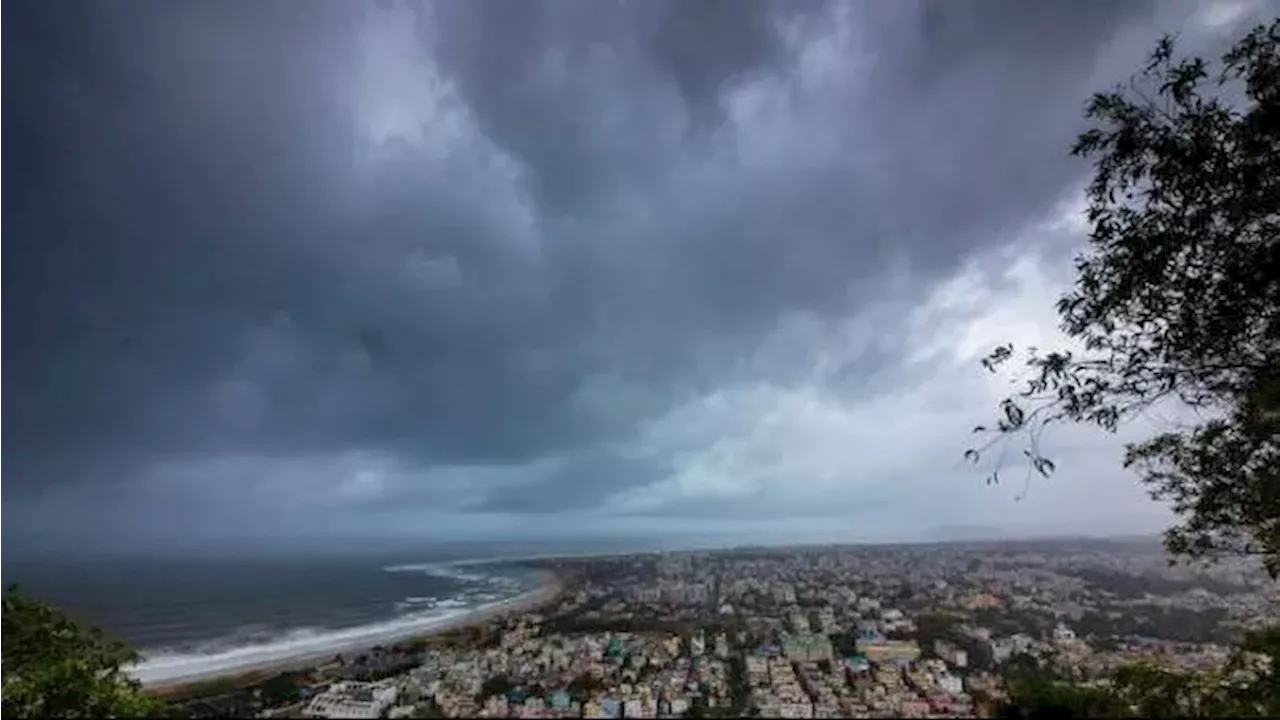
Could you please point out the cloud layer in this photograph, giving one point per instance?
(480, 269)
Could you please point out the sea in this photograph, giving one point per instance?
(199, 617)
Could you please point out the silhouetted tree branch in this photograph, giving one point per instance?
(1177, 298)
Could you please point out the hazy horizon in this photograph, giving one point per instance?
(446, 550)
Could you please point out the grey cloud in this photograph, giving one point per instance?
(533, 74)
(703, 46)
(580, 482)
(623, 202)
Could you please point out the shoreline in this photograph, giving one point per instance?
(251, 673)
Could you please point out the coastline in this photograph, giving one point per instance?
(550, 589)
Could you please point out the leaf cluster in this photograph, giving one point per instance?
(1177, 297)
(53, 667)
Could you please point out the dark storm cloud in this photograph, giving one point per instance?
(705, 45)
(142, 139)
(605, 212)
(186, 201)
(176, 208)
(976, 105)
(502, 54)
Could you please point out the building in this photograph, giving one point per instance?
(980, 601)
(1004, 648)
(697, 645)
(889, 652)
(798, 622)
(807, 647)
(950, 654)
(352, 700)
(950, 684)
(616, 647)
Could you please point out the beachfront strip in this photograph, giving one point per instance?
(922, 631)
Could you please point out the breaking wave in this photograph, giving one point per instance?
(440, 570)
(221, 656)
(253, 647)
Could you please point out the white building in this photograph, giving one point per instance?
(352, 700)
(952, 655)
(950, 684)
(697, 645)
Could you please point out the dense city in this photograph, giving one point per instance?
(873, 631)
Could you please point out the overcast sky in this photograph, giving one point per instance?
(318, 271)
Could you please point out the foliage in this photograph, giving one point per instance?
(55, 668)
(282, 689)
(1247, 686)
(495, 685)
(1177, 298)
(1031, 669)
(586, 686)
(1040, 698)
(1253, 673)
(1177, 624)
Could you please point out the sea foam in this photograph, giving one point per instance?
(216, 658)
(241, 651)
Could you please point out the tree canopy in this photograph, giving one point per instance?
(52, 667)
(1177, 296)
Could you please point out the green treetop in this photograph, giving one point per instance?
(52, 667)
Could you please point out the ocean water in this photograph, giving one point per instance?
(199, 617)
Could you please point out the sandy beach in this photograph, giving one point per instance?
(254, 671)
